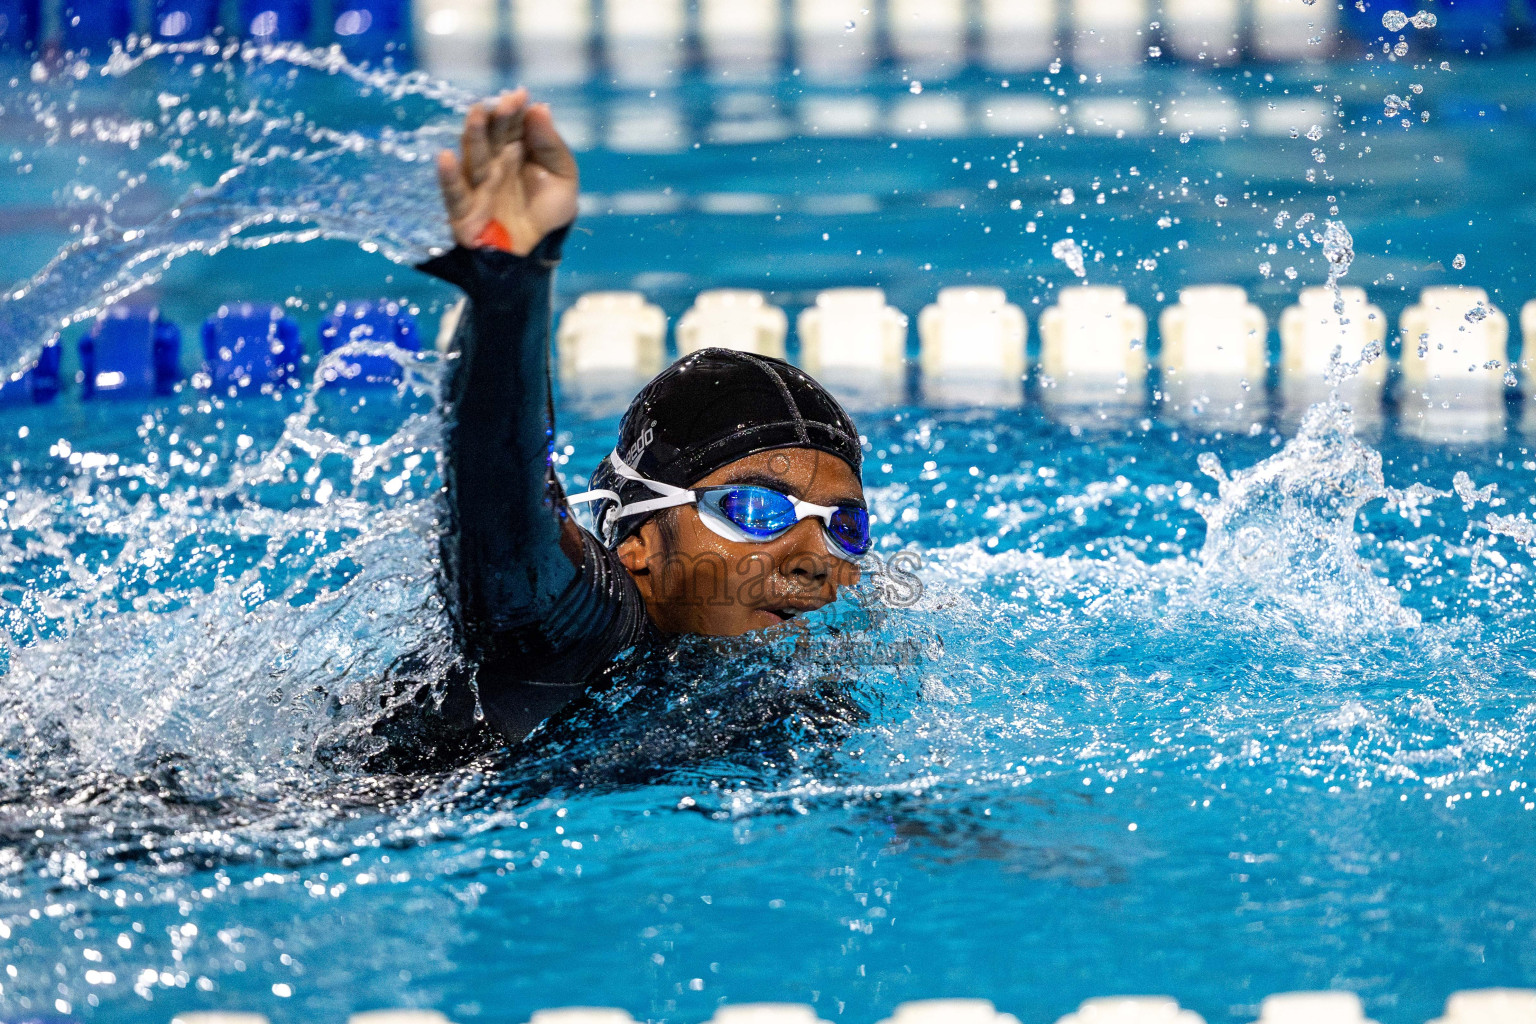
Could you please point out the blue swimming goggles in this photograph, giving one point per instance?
(744, 512)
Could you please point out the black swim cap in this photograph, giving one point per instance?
(707, 410)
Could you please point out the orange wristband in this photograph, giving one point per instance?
(495, 236)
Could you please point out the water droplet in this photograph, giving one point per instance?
(1477, 314)
(1394, 21)
(1067, 197)
(1154, 51)
(1221, 200)
(1068, 252)
(1509, 378)
(1424, 19)
(1459, 262)
(1315, 132)
(915, 88)
(850, 26)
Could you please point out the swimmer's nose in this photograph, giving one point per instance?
(808, 563)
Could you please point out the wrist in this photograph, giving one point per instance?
(495, 236)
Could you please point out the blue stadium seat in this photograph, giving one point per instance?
(370, 30)
(369, 321)
(39, 384)
(274, 21)
(250, 347)
(130, 351)
(19, 21)
(94, 24)
(181, 20)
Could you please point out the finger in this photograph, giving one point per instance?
(545, 146)
(509, 166)
(456, 195)
(475, 145)
(507, 122)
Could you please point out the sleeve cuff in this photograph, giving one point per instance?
(475, 269)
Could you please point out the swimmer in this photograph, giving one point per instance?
(730, 503)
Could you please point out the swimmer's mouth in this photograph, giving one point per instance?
(787, 614)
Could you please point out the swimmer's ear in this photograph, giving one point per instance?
(634, 553)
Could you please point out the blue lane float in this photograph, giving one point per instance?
(37, 385)
(180, 20)
(19, 21)
(93, 25)
(247, 347)
(383, 322)
(370, 30)
(130, 351)
(275, 21)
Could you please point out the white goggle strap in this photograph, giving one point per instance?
(671, 496)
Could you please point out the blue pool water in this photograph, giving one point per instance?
(1176, 708)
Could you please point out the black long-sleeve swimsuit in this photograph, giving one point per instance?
(541, 607)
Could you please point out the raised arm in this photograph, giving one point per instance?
(534, 595)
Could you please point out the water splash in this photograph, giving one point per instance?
(206, 147)
(1286, 528)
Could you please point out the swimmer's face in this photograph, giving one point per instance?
(695, 581)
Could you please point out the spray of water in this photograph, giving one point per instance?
(205, 147)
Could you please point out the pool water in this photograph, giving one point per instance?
(1173, 707)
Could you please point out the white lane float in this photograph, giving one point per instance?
(1203, 31)
(1132, 1010)
(643, 40)
(1313, 1008)
(741, 35)
(856, 343)
(612, 333)
(766, 1013)
(1294, 30)
(1528, 357)
(734, 318)
(1018, 35)
(581, 1015)
(1093, 356)
(1109, 33)
(456, 40)
(1313, 333)
(928, 36)
(834, 38)
(550, 41)
(1214, 357)
(972, 348)
(1490, 1006)
(949, 1011)
(1455, 351)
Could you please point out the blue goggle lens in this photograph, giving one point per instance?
(850, 528)
(758, 511)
